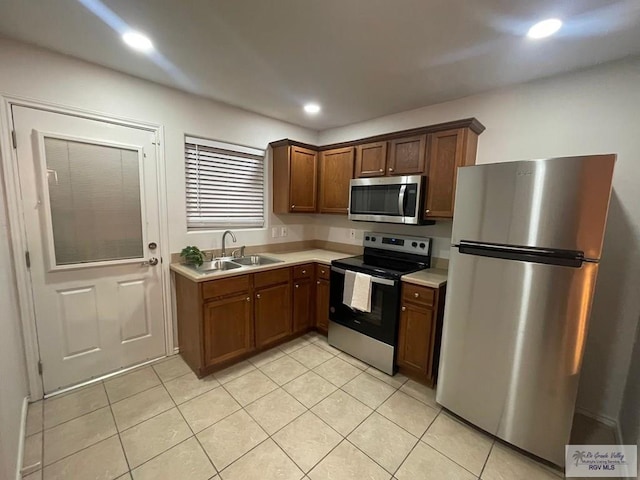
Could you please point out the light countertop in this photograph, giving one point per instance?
(288, 260)
(433, 277)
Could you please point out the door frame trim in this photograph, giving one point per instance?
(18, 238)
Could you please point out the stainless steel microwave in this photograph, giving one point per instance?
(387, 199)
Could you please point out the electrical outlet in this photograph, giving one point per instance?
(283, 231)
(274, 232)
(352, 233)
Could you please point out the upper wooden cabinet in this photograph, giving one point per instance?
(435, 151)
(336, 171)
(407, 156)
(448, 150)
(295, 179)
(371, 159)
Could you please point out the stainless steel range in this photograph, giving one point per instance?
(371, 334)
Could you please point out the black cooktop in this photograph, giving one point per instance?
(390, 266)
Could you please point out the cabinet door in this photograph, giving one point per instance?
(228, 329)
(415, 338)
(407, 156)
(371, 159)
(445, 156)
(336, 171)
(303, 180)
(322, 304)
(272, 314)
(302, 304)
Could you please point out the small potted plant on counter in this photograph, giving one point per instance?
(192, 256)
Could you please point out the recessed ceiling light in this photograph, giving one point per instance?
(138, 41)
(312, 108)
(544, 28)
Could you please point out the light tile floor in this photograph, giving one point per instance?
(300, 411)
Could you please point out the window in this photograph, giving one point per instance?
(225, 185)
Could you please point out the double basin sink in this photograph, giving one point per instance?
(225, 264)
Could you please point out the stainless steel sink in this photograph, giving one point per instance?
(255, 260)
(215, 266)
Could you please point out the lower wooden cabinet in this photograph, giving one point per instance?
(272, 314)
(303, 305)
(322, 305)
(228, 328)
(224, 321)
(419, 332)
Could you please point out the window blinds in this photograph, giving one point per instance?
(225, 185)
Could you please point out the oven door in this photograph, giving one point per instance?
(390, 199)
(382, 322)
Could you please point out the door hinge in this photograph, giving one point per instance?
(40, 367)
(27, 259)
(14, 139)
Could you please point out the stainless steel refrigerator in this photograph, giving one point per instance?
(527, 238)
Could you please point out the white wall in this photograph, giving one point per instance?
(594, 111)
(630, 411)
(13, 375)
(31, 72)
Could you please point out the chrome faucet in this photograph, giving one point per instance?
(223, 253)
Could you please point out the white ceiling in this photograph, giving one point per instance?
(359, 59)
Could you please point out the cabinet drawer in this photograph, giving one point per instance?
(303, 271)
(225, 287)
(322, 271)
(417, 294)
(271, 277)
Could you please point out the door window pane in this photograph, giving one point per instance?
(94, 193)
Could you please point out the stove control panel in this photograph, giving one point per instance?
(398, 243)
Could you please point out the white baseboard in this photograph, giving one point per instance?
(23, 431)
(610, 422)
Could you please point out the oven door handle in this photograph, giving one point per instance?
(381, 281)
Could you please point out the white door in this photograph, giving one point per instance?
(90, 200)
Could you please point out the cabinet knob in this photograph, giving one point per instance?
(318, 282)
(416, 294)
(304, 271)
(381, 170)
(258, 295)
(297, 286)
(391, 169)
(248, 299)
(321, 271)
(404, 309)
(427, 211)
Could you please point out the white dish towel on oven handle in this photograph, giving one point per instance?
(357, 291)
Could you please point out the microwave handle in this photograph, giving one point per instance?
(382, 281)
(403, 189)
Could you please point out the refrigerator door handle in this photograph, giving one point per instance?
(565, 258)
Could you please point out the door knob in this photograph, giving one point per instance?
(152, 262)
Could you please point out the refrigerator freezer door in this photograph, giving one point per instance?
(556, 203)
(512, 347)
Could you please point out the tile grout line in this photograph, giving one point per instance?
(113, 417)
(215, 469)
(487, 459)
(416, 444)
